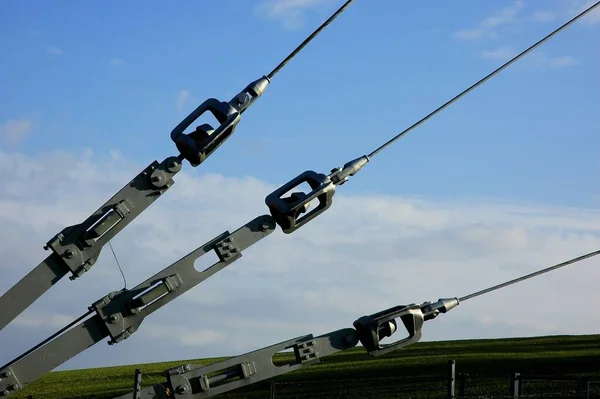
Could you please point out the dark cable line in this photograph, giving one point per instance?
(482, 80)
(534, 274)
(50, 338)
(118, 264)
(308, 39)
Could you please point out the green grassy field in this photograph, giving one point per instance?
(418, 371)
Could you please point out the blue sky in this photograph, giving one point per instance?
(122, 77)
(498, 184)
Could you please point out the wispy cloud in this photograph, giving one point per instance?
(578, 6)
(55, 50)
(182, 97)
(291, 13)
(501, 53)
(13, 131)
(117, 62)
(393, 250)
(536, 59)
(543, 16)
(488, 27)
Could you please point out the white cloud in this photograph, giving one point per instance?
(54, 321)
(182, 97)
(502, 53)
(55, 50)
(365, 254)
(290, 13)
(488, 27)
(543, 16)
(117, 62)
(537, 59)
(578, 6)
(186, 336)
(14, 131)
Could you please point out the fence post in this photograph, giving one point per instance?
(583, 388)
(515, 385)
(461, 384)
(272, 394)
(137, 384)
(451, 379)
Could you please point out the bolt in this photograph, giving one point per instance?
(111, 295)
(113, 318)
(242, 98)
(182, 389)
(264, 226)
(69, 253)
(155, 178)
(186, 367)
(90, 262)
(8, 374)
(15, 387)
(5, 392)
(173, 165)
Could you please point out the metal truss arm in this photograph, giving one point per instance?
(119, 314)
(76, 248)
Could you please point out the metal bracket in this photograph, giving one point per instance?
(227, 249)
(201, 143)
(372, 329)
(79, 245)
(8, 382)
(193, 382)
(117, 308)
(287, 210)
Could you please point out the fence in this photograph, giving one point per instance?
(451, 385)
(457, 386)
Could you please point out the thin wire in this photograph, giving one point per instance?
(118, 264)
(482, 81)
(50, 338)
(308, 39)
(534, 274)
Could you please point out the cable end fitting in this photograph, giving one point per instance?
(443, 305)
(340, 176)
(258, 87)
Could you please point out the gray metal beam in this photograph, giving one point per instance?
(119, 314)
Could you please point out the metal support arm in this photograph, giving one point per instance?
(192, 381)
(120, 313)
(76, 248)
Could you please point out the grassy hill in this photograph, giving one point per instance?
(418, 371)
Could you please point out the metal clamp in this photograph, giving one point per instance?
(372, 329)
(121, 310)
(287, 211)
(205, 139)
(79, 246)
